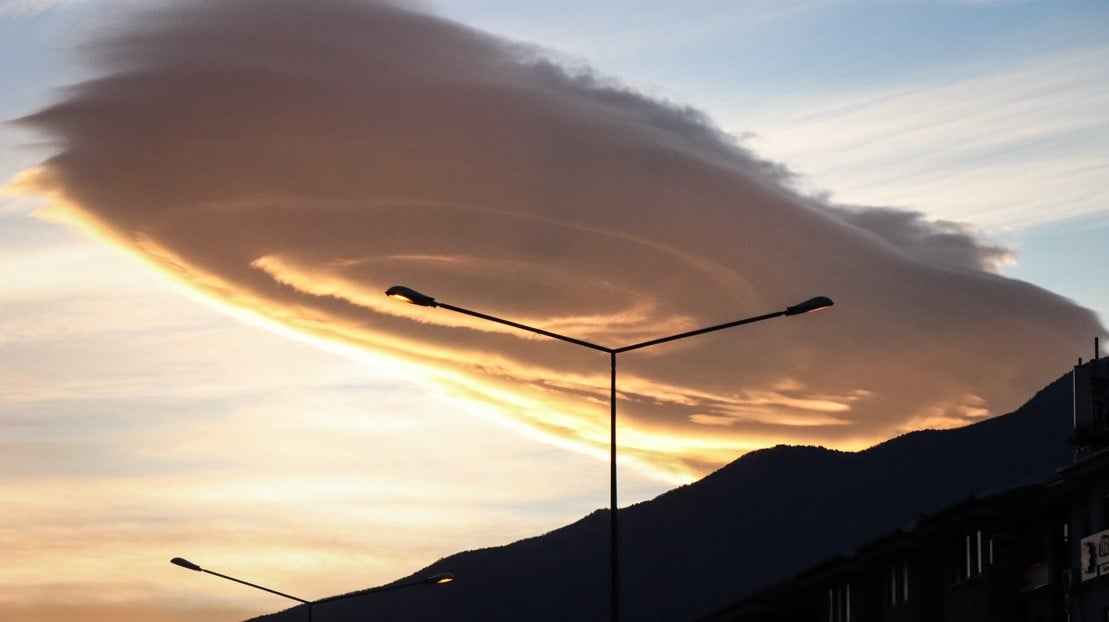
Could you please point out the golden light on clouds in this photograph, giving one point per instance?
(285, 162)
(305, 157)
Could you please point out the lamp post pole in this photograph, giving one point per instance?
(411, 296)
(184, 563)
(435, 579)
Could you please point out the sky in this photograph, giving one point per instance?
(205, 202)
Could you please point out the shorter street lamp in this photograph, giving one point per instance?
(435, 579)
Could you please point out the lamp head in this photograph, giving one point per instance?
(439, 578)
(411, 296)
(184, 563)
(812, 304)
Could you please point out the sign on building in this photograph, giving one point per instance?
(1095, 555)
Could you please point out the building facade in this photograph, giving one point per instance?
(1038, 553)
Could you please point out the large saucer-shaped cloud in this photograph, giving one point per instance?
(295, 159)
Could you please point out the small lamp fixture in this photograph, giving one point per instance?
(411, 296)
(812, 304)
(184, 563)
(439, 578)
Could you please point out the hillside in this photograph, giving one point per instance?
(755, 521)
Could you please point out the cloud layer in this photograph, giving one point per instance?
(296, 159)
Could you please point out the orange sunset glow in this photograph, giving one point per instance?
(250, 177)
(525, 198)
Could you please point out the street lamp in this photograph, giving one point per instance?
(411, 296)
(435, 579)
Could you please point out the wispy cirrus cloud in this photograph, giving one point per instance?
(957, 143)
(25, 7)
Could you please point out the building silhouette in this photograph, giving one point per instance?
(1037, 553)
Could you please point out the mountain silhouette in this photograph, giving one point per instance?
(759, 520)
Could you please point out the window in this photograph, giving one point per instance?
(971, 561)
(839, 603)
(973, 550)
(899, 582)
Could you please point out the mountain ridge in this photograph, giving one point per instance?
(758, 520)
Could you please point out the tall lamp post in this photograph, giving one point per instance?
(411, 296)
(435, 579)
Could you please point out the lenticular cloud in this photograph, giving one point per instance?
(297, 158)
